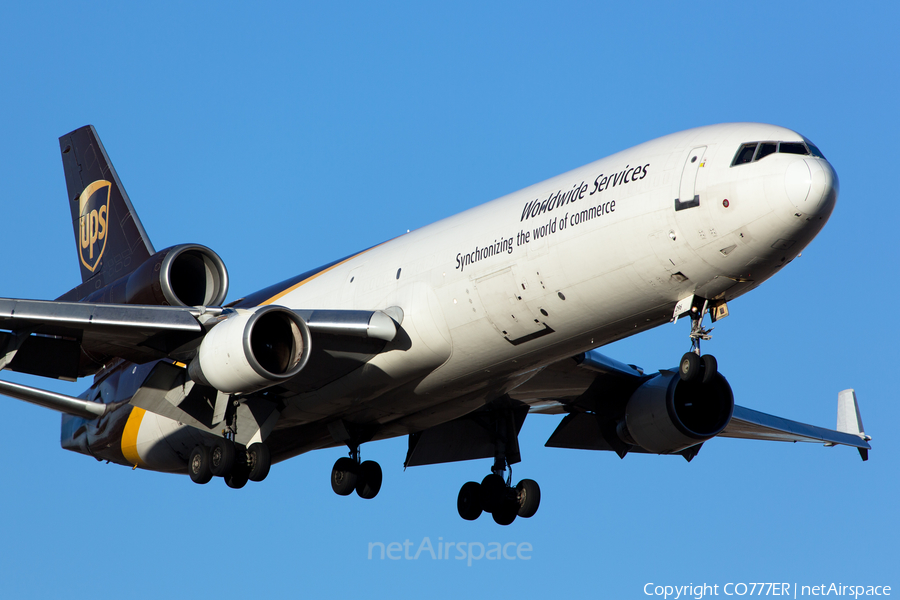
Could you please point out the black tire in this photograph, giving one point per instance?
(260, 461)
(492, 490)
(506, 510)
(710, 367)
(237, 477)
(368, 479)
(221, 458)
(529, 497)
(343, 476)
(198, 465)
(689, 367)
(468, 503)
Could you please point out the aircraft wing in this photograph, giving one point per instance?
(594, 389)
(58, 339)
(754, 425)
(68, 340)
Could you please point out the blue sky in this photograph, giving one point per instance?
(287, 136)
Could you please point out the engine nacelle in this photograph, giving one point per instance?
(667, 415)
(251, 350)
(183, 275)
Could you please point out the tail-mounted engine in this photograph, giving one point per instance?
(183, 275)
(666, 415)
(247, 351)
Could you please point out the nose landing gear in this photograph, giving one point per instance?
(693, 365)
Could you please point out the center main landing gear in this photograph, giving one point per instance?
(496, 496)
(693, 365)
(350, 474)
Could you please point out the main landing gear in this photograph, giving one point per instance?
(349, 474)
(233, 462)
(693, 365)
(496, 495)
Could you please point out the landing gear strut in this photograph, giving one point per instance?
(349, 474)
(693, 365)
(495, 494)
(225, 458)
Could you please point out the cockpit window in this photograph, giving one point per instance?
(815, 151)
(755, 151)
(792, 148)
(745, 154)
(765, 149)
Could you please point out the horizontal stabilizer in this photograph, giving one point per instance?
(53, 400)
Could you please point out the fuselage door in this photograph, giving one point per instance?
(501, 296)
(687, 193)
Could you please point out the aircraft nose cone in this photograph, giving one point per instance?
(797, 183)
(824, 189)
(811, 186)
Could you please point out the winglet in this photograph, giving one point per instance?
(849, 420)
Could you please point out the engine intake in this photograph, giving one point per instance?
(183, 275)
(667, 415)
(251, 350)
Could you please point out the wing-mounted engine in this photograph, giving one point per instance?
(246, 351)
(183, 275)
(666, 415)
(622, 410)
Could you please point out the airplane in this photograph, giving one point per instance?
(451, 334)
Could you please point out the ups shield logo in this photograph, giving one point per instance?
(93, 213)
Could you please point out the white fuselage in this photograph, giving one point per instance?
(490, 296)
(596, 254)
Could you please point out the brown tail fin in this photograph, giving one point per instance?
(109, 237)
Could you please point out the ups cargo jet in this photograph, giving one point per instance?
(451, 334)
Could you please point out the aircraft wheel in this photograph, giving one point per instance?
(221, 458)
(689, 367)
(260, 461)
(506, 510)
(198, 465)
(368, 479)
(529, 497)
(237, 478)
(468, 503)
(710, 367)
(343, 476)
(492, 489)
